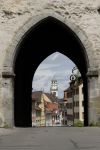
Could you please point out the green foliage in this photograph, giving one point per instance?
(95, 124)
(92, 124)
(6, 125)
(78, 124)
(98, 124)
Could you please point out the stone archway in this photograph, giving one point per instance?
(15, 63)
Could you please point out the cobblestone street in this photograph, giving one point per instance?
(56, 138)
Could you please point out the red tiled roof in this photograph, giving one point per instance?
(51, 106)
(52, 97)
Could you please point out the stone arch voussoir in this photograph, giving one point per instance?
(11, 52)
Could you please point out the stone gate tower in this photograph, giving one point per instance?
(71, 27)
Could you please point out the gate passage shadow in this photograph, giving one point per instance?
(44, 38)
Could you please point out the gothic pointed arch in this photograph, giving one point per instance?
(41, 40)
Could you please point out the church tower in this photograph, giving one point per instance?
(54, 87)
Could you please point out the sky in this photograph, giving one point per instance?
(56, 66)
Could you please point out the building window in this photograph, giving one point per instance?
(69, 105)
(54, 93)
(77, 91)
(76, 115)
(69, 94)
(70, 117)
(77, 103)
(65, 113)
(74, 103)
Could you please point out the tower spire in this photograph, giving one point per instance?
(54, 87)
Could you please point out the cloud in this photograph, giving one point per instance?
(55, 56)
(46, 66)
(56, 65)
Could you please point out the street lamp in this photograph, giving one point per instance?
(72, 85)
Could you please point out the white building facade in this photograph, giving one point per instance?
(75, 105)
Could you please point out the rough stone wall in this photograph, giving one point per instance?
(14, 14)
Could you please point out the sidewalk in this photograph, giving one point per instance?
(4, 131)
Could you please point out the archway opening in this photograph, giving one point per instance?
(57, 100)
(46, 37)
